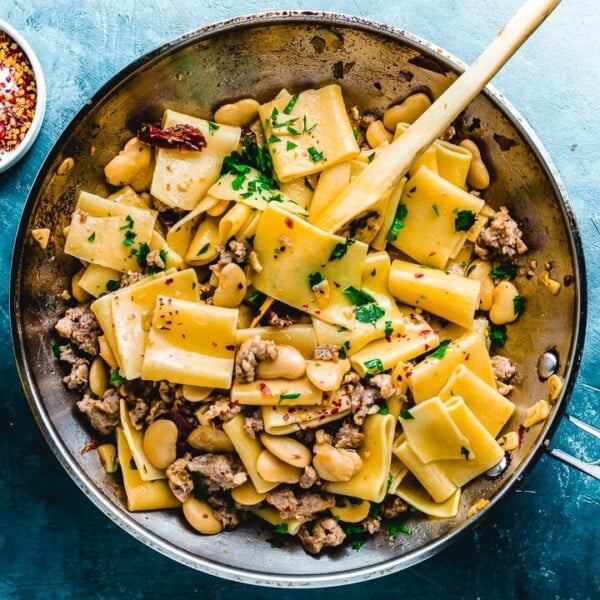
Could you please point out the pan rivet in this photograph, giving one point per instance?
(547, 364)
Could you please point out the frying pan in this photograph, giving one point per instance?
(256, 56)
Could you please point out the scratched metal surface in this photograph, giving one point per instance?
(544, 540)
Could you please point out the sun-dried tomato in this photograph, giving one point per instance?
(178, 136)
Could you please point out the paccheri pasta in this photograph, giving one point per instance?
(251, 358)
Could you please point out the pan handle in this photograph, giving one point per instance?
(591, 468)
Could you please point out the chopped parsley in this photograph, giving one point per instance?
(518, 304)
(406, 415)
(115, 378)
(92, 237)
(203, 249)
(356, 536)
(314, 279)
(340, 249)
(129, 237)
(389, 329)
(290, 145)
(358, 297)
(56, 350)
(289, 396)
(212, 127)
(373, 366)
(129, 223)
(498, 335)
(471, 268)
(375, 510)
(251, 155)
(342, 350)
(436, 210)
(315, 155)
(464, 220)
(505, 271)
(369, 313)
(281, 528)
(440, 351)
(398, 526)
(306, 128)
(371, 157)
(397, 223)
(112, 285)
(290, 105)
(384, 410)
(273, 139)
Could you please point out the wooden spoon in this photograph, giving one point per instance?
(378, 179)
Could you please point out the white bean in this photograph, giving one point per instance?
(478, 176)
(99, 377)
(238, 114)
(159, 443)
(406, 112)
(210, 439)
(503, 308)
(327, 375)
(480, 270)
(287, 449)
(289, 364)
(270, 468)
(335, 464)
(232, 286)
(377, 134)
(201, 517)
(132, 166)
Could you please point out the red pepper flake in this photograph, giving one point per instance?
(264, 389)
(521, 434)
(18, 94)
(289, 222)
(419, 275)
(182, 137)
(230, 347)
(91, 445)
(214, 344)
(169, 281)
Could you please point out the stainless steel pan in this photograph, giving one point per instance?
(377, 66)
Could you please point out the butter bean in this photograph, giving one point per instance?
(232, 286)
(132, 166)
(287, 449)
(406, 112)
(289, 364)
(327, 375)
(350, 512)
(246, 494)
(238, 114)
(99, 377)
(503, 304)
(272, 469)
(377, 134)
(478, 176)
(335, 464)
(159, 443)
(210, 439)
(201, 517)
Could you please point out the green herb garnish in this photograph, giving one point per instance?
(465, 452)
(112, 285)
(203, 249)
(315, 279)
(290, 105)
(389, 329)
(504, 271)
(340, 249)
(92, 237)
(290, 145)
(498, 335)
(129, 237)
(398, 223)
(371, 157)
(518, 304)
(289, 396)
(440, 351)
(115, 378)
(358, 297)
(406, 415)
(397, 526)
(384, 410)
(464, 220)
(373, 366)
(436, 210)
(212, 127)
(315, 155)
(369, 313)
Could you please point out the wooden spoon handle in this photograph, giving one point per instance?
(382, 175)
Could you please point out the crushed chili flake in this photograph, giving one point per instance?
(18, 94)
(178, 136)
(264, 389)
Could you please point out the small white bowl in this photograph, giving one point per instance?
(10, 158)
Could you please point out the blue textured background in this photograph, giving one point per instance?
(543, 542)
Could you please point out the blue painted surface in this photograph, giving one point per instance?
(543, 542)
